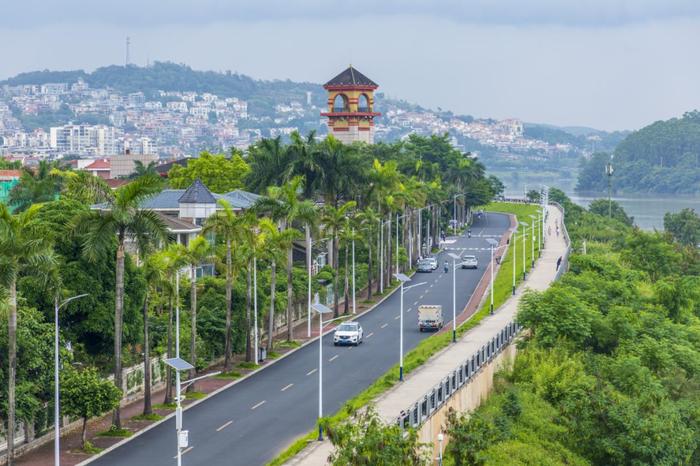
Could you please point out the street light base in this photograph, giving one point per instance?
(320, 432)
(492, 309)
(401, 374)
(513, 290)
(454, 336)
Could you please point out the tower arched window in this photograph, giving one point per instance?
(340, 103)
(363, 103)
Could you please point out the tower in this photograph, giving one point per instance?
(351, 107)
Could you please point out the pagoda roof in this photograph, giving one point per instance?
(351, 77)
(197, 193)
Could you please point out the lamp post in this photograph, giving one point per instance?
(492, 242)
(255, 308)
(524, 249)
(310, 242)
(455, 258)
(403, 279)
(180, 365)
(454, 213)
(57, 385)
(354, 307)
(440, 437)
(321, 309)
(514, 240)
(532, 240)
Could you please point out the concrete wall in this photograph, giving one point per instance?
(468, 397)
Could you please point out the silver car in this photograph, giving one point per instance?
(348, 333)
(432, 261)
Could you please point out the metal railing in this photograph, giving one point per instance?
(420, 411)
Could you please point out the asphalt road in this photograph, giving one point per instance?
(251, 422)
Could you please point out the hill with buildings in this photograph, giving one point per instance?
(663, 157)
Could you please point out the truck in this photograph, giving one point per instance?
(430, 317)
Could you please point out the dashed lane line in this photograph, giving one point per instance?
(258, 405)
(333, 358)
(384, 326)
(286, 387)
(415, 302)
(311, 371)
(397, 317)
(225, 425)
(369, 335)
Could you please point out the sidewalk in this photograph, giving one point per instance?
(420, 381)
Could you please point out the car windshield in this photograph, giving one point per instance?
(424, 262)
(347, 327)
(469, 258)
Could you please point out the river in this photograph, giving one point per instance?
(647, 209)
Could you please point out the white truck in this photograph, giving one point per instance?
(430, 317)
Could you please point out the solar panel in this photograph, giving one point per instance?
(179, 364)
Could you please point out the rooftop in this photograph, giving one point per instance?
(197, 193)
(351, 77)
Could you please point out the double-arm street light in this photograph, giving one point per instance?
(403, 279)
(56, 378)
(310, 244)
(455, 258)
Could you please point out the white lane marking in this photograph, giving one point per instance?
(408, 310)
(184, 451)
(383, 326)
(258, 405)
(397, 317)
(421, 296)
(288, 386)
(333, 358)
(370, 335)
(224, 426)
(415, 302)
(311, 371)
(431, 285)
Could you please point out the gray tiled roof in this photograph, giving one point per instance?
(349, 77)
(197, 193)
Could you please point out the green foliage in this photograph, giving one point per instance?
(663, 157)
(603, 207)
(367, 440)
(219, 173)
(684, 226)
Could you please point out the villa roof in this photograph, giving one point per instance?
(100, 164)
(197, 193)
(178, 225)
(351, 77)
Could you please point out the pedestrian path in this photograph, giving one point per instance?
(421, 380)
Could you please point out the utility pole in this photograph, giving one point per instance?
(609, 171)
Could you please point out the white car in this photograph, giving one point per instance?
(469, 262)
(433, 262)
(348, 333)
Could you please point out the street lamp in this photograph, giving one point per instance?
(440, 438)
(403, 279)
(524, 248)
(321, 309)
(514, 240)
(532, 240)
(180, 365)
(354, 307)
(310, 244)
(57, 386)
(492, 242)
(455, 258)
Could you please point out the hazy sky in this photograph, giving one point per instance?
(610, 64)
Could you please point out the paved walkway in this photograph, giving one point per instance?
(420, 381)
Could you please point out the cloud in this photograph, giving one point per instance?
(27, 14)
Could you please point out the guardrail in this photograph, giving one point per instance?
(422, 410)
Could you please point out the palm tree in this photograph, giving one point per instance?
(269, 164)
(368, 220)
(40, 185)
(333, 219)
(230, 228)
(23, 247)
(277, 242)
(121, 216)
(198, 251)
(140, 169)
(285, 206)
(173, 258)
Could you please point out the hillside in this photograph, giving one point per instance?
(663, 157)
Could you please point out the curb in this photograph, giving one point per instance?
(225, 387)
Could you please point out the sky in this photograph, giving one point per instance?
(607, 64)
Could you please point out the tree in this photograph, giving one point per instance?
(603, 207)
(367, 440)
(23, 248)
(219, 173)
(140, 169)
(40, 185)
(285, 206)
(684, 226)
(195, 254)
(230, 228)
(121, 217)
(85, 394)
(269, 164)
(334, 219)
(533, 195)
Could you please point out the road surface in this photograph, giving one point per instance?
(251, 422)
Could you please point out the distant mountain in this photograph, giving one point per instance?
(663, 157)
(580, 137)
(262, 96)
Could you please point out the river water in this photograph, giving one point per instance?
(647, 209)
